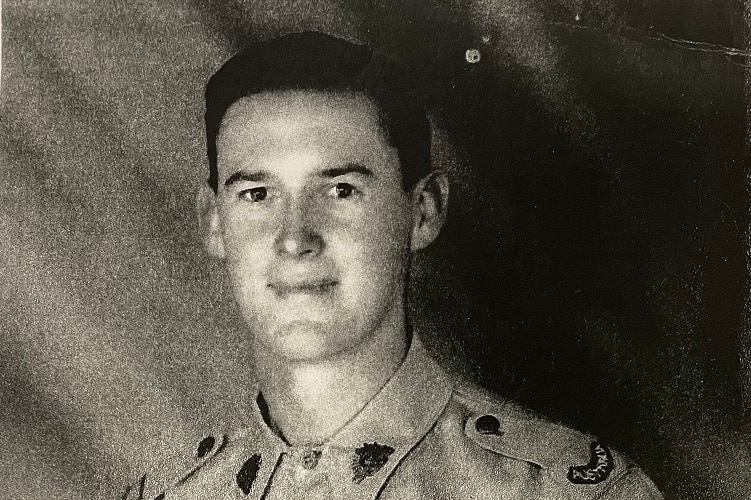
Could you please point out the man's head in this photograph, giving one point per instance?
(318, 194)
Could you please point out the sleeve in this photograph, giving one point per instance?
(633, 485)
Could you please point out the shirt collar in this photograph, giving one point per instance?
(396, 419)
(405, 408)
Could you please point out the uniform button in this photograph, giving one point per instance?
(488, 424)
(310, 459)
(205, 446)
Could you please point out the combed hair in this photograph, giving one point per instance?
(320, 62)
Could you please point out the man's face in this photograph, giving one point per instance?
(315, 225)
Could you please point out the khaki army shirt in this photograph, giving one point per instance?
(423, 436)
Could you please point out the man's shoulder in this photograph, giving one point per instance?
(510, 429)
(573, 462)
(159, 477)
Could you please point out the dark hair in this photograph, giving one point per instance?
(315, 61)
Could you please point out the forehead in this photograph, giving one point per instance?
(292, 112)
(298, 133)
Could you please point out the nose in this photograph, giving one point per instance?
(298, 236)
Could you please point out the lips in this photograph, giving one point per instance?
(310, 287)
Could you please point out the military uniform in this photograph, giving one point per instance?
(423, 436)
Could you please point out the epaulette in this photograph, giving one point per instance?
(157, 484)
(574, 460)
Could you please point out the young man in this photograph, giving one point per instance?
(319, 192)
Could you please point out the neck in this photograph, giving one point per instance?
(308, 401)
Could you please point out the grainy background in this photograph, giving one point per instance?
(592, 268)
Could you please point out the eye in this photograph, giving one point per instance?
(255, 194)
(343, 190)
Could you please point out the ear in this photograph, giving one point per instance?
(429, 204)
(208, 221)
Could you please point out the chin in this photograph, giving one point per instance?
(308, 341)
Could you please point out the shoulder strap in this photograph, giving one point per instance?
(156, 484)
(576, 461)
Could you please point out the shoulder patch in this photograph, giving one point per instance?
(597, 470)
(155, 485)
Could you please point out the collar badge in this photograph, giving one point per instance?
(369, 459)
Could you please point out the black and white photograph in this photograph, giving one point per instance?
(394, 250)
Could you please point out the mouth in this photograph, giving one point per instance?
(309, 287)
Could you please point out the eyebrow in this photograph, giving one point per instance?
(262, 176)
(246, 176)
(347, 168)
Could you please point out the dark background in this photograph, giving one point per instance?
(593, 265)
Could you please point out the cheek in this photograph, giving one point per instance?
(379, 244)
(246, 242)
